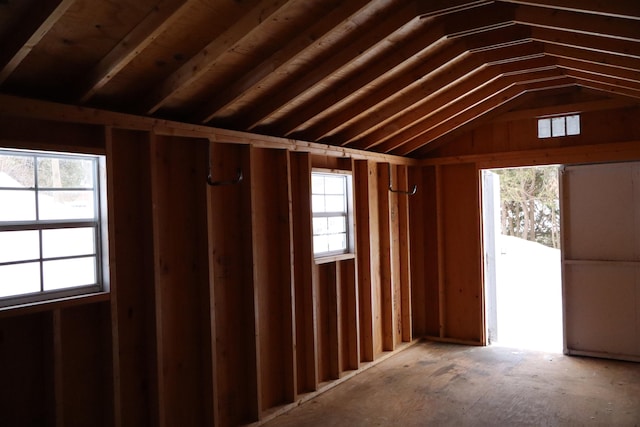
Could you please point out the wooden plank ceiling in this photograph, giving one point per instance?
(391, 76)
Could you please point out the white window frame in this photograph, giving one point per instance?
(348, 215)
(98, 223)
(557, 126)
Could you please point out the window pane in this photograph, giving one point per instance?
(337, 242)
(544, 128)
(68, 242)
(334, 184)
(557, 126)
(317, 203)
(320, 226)
(19, 279)
(317, 184)
(573, 125)
(65, 173)
(19, 246)
(320, 244)
(69, 273)
(335, 204)
(337, 224)
(66, 204)
(16, 171)
(17, 205)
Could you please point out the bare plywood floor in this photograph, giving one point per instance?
(450, 385)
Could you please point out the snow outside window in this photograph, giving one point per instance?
(52, 226)
(331, 206)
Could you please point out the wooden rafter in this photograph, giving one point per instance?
(468, 97)
(155, 23)
(606, 71)
(367, 40)
(428, 8)
(339, 118)
(479, 20)
(579, 23)
(629, 9)
(371, 112)
(415, 112)
(613, 90)
(403, 58)
(600, 44)
(370, 74)
(367, 132)
(618, 61)
(484, 107)
(617, 85)
(581, 107)
(276, 64)
(199, 64)
(16, 48)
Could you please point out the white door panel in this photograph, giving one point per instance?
(600, 207)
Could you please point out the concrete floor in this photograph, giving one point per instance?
(434, 384)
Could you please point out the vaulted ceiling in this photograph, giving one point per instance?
(391, 76)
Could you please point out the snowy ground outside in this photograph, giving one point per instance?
(529, 289)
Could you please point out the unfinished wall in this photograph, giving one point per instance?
(218, 313)
(452, 296)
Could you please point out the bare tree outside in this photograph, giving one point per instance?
(530, 204)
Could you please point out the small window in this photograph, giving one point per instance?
(559, 126)
(332, 213)
(52, 226)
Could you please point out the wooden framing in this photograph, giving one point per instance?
(218, 313)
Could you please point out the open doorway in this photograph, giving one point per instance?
(523, 280)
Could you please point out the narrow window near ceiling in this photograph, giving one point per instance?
(52, 226)
(559, 126)
(332, 213)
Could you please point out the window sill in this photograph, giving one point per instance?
(50, 305)
(334, 258)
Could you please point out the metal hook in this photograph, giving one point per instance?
(210, 180)
(407, 192)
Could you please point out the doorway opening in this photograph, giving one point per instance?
(522, 263)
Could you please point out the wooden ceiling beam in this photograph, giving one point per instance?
(472, 79)
(204, 60)
(261, 111)
(577, 22)
(500, 37)
(370, 112)
(334, 129)
(405, 57)
(575, 107)
(436, 91)
(431, 8)
(510, 53)
(276, 64)
(629, 9)
(14, 106)
(479, 20)
(611, 90)
(616, 85)
(29, 32)
(599, 69)
(495, 114)
(159, 19)
(586, 41)
(622, 62)
(461, 98)
(476, 112)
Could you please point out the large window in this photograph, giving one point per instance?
(52, 239)
(332, 213)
